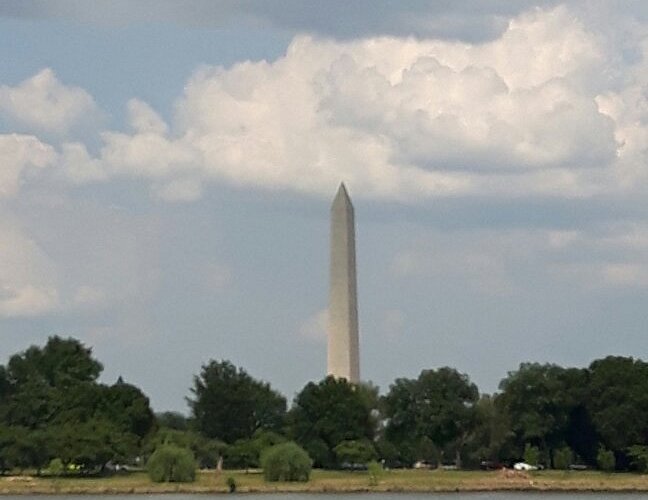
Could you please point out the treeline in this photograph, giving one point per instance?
(54, 410)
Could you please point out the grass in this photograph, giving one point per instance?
(337, 481)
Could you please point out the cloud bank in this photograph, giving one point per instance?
(539, 111)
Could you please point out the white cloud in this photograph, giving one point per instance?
(28, 281)
(78, 166)
(46, 104)
(394, 117)
(534, 112)
(19, 153)
(144, 119)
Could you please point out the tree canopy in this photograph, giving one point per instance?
(327, 413)
(53, 406)
(229, 404)
(435, 408)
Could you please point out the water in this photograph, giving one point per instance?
(352, 496)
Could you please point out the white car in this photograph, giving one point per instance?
(524, 466)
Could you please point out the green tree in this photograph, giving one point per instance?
(206, 451)
(246, 453)
(541, 401)
(229, 404)
(605, 459)
(563, 458)
(439, 405)
(357, 451)
(172, 420)
(327, 413)
(639, 457)
(60, 363)
(618, 402)
(286, 462)
(171, 464)
(531, 454)
(52, 395)
(491, 437)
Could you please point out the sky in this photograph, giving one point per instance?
(167, 168)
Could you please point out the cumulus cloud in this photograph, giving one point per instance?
(536, 111)
(44, 103)
(28, 281)
(524, 114)
(20, 154)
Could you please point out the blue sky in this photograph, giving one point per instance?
(168, 169)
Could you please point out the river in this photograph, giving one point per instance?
(353, 496)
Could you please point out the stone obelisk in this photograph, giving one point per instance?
(343, 345)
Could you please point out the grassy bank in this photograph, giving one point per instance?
(328, 481)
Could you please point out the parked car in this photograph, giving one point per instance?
(491, 465)
(353, 466)
(525, 466)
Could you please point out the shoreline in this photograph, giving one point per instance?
(405, 481)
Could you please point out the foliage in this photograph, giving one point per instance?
(491, 438)
(540, 401)
(231, 484)
(246, 453)
(229, 404)
(327, 413)
(605, 459)
(286, 462)
(531, 454)
(439, 406)
(171, 464)
(563, 458)
(375, 471)
(53, 406)
(358, 451)
(618, 401)
(206, 451)
(56, 467)
(639, 457)
(172, 420)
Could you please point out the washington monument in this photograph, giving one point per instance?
(343, 345)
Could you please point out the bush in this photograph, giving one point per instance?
(286, 462)
(639, 457)
(171, 464)
(56, 467)
(605, 459)
(563, 457)
(355, 451)
(375, 471)
(531, 454)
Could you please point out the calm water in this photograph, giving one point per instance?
(356, 496)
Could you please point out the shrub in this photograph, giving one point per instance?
(231, 484)
(355, 451)
(605, 459)
(171, 464)
(286, 462)
(639, 457)
(531, 454)
(563, 457)
(375, 471)
(56, 467)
